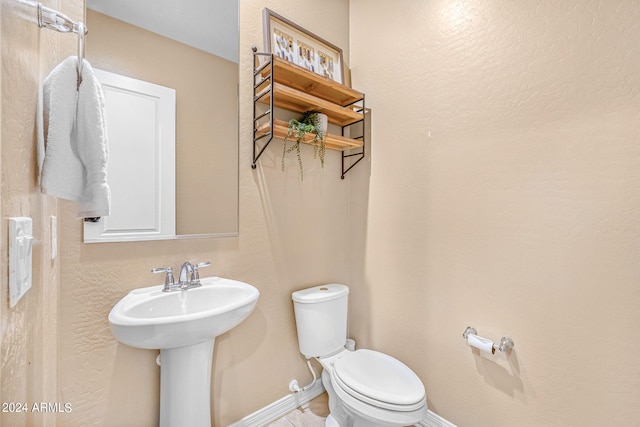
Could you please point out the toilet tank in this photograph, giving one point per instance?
(321, 319)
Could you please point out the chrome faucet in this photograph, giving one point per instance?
(186, 275)
(189, 276)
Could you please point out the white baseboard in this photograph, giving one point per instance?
(434, 420)
(280, 408)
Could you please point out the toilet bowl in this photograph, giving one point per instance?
(365, 387)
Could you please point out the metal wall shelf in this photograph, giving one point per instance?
(279, 83)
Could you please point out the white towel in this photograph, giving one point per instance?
(75, 161)
(92, 145)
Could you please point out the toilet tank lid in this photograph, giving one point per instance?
(320, 293)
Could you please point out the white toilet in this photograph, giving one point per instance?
(365, 387)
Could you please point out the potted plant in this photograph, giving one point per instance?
(312, 123)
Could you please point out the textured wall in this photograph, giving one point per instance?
(292, 235)
(29, 330)
(504, 194)
(3, 296)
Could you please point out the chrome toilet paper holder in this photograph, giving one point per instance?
(506, 343)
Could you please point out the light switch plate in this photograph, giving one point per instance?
(20, 261)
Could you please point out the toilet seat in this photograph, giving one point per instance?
(379, 380)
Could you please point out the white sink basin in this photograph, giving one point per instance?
(183, 325)
(152, 319)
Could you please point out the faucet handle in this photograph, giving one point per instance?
(169, 282)
(195, 277)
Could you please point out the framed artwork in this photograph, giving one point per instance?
(283, 45)
(290, 41)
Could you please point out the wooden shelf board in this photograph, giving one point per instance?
(307, 81)
(296, 100)
(333, 142)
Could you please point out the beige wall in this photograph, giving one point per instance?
(28, 337)
(292, 235)
(519, 214)
(206, 116)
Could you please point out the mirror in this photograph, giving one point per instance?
(192, 47)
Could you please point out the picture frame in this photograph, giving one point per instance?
(288, 40)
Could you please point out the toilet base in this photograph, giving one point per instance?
(331, 422)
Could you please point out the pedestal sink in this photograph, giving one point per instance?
(183, 326)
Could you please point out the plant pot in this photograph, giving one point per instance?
(323, 123)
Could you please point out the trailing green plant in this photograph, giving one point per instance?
(307, 123)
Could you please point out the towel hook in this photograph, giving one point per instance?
(81, 33)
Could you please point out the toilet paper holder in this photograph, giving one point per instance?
(506, 343)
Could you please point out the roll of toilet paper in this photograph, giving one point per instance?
(483, 344)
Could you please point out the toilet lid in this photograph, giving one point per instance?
(379, 377)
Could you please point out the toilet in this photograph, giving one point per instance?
(365, 387)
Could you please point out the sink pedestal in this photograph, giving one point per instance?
(183, 325)
(185, 385)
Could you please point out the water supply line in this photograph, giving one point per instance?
(293, 385)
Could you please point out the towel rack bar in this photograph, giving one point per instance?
(54, 20)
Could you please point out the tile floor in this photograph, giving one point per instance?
(312, 414)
